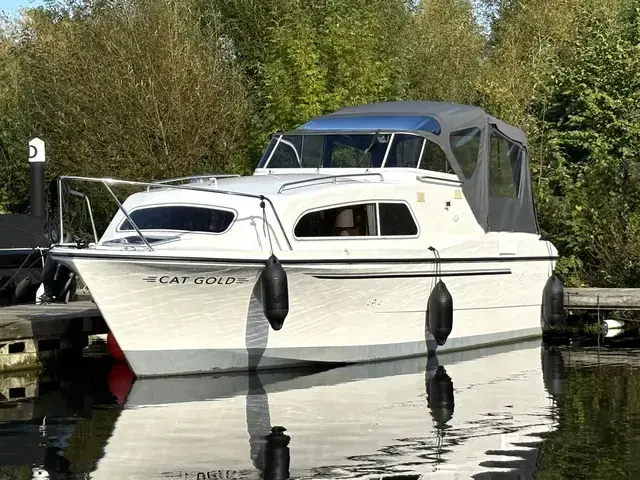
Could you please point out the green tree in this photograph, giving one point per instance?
(589, 171)
(527, 37)
(307, 58)
(123, 88)
(446, 51)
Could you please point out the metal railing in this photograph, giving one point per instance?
(328, 179)
(86, 199)
(213, 177)
(439, 179)
(112, 181)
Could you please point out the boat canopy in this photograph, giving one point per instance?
(390, 123)
(488, 156)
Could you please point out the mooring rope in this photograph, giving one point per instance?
(265, 224)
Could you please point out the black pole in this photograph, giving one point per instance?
(36, 177)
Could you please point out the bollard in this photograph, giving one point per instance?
(36, 177)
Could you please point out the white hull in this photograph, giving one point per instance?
(364, 421)
(169, 321)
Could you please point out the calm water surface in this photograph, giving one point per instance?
(518, 411)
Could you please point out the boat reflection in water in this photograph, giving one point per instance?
(476, 412)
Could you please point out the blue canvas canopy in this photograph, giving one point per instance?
(391, 123)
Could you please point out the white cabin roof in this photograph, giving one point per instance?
(307, 189)
(271, 184)
(282, 184)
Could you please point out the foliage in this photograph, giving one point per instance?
(588, 174)
(125, 88)
(527, 38)
(303, 59)
(446, 52)
(14, 174)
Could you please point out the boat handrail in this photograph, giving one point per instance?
(332, 179)
(439, 179)
(214, 177)
(113, 181)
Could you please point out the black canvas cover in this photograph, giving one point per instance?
(488, 155)
(23, 231)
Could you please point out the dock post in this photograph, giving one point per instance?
(36, 177)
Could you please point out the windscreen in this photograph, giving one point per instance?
(347, 150)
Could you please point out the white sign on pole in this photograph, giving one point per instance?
(36, 150)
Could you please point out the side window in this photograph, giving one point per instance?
(396, 219)
(358, 221)
(182, 218)
(287, 153)
(504, 167)
(349, 220)
(434, 159)
(405, 151)
(465, 145)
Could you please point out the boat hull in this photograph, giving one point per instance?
(177, 317)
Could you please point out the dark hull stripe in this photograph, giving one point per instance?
(351, 261)
(366, 276)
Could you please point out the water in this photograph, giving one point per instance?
(517, 411)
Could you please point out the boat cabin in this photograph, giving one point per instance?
(434, 140)
(400, 171)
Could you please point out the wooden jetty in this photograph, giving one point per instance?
(576, 299)
(33, 335)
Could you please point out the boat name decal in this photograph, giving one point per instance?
(181, 279)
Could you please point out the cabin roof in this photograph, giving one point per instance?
(432, 117)
(267, 185)
(416, 107)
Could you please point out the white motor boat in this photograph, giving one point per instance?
(380, 231)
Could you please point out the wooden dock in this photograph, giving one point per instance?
(602, 298)
(33, 335)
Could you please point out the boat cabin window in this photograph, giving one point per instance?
(396, 219)
(180, 217)
(355, 151)
(350, 220)
(405, 151)
(326, 151)
(505, 166)
(286, 153)
(465, 145)
(359, 220)
(434, 159)
(413, 151)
